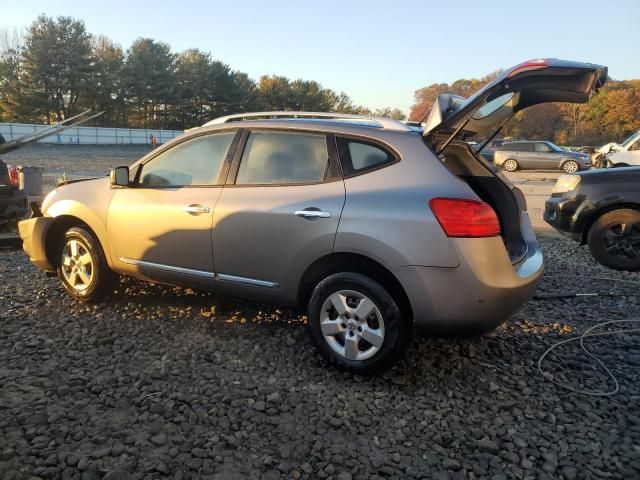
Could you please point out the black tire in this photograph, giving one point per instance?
(102, 280)
(510, 161)
(570, 166)
(614, 240)
(397, 330)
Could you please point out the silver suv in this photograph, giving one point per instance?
(371, 225)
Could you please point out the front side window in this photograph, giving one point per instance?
(195, 162)
(542, 148)
(271, 158)
(358, 156)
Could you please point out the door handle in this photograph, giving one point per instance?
(196, 209)
(312, 214)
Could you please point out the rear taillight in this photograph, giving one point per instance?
(13, 175)
(465, 218)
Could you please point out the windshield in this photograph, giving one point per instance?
(490, 107)
(630, 139)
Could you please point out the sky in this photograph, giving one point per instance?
(378, 52)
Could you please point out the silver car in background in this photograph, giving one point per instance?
(370, 225)
(539, 155)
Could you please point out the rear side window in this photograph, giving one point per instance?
(359, 156)
(275, 158)
(517, 147)
(195, 162)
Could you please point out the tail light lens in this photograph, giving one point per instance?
(465, 218)
(13, 175)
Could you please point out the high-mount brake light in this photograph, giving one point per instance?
(465, 218)
(530, 65)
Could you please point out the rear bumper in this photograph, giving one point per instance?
(561, 214)
(480, 294)
(33, 233)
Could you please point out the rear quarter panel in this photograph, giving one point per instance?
(387, 216)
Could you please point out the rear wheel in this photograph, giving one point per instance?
(570, 166)
(614, 240)
(83, 269)
(510, 165)
(356, 324)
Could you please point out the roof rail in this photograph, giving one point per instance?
(379, 122)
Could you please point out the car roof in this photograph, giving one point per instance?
(365, 120)
(353, 127)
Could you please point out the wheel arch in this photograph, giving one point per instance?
(594, 216)
(357, 263)
(55, 235)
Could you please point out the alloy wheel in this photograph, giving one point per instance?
(352, 325)
(622, 240)
(570, 167)
(510, 165)
(77, 265)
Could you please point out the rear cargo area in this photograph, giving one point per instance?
(460, 160)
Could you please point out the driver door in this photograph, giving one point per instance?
(160, 227)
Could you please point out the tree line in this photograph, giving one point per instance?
(56, 69)
(610, 115)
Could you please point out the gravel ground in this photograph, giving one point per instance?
(165, 381)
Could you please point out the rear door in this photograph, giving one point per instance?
(278, 212)
(545, 156)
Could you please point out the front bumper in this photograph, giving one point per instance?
(33, 233)
(561, 214)
(480, 294)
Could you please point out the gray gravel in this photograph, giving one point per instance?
(166, 382)
(163, 381)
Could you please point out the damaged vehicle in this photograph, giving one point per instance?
(374, 227)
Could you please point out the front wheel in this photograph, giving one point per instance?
(356, 324)
(570, 166)
(614, 240)
(82, 268)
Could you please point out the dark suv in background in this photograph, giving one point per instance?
(542, 155)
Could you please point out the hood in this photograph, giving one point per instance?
(527, 84)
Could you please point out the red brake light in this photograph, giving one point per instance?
(465, 218)
(530, 65)
(13, 175)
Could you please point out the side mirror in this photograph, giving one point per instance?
(120, 176)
